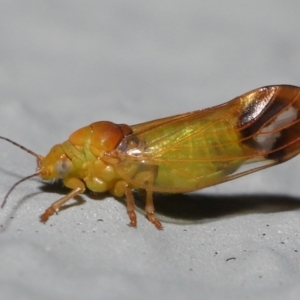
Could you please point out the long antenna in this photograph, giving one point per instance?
(22, 147)
(17, 183)
(39, 158)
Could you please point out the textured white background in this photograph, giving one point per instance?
(65, 64)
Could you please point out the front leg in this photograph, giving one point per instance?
(77, 187)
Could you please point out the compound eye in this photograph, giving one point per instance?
(63, 166)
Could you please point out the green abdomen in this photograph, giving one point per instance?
(200, 162)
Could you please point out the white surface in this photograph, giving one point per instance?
(65, 64)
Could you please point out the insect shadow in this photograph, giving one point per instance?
(201, 208)
(193, 207)
(186, 208)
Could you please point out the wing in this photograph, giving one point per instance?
(202, 148)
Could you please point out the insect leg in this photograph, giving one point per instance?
(123, 188)
(120, 189)
(149, 210)
(130, 206)
(77, 187)
(149, 206)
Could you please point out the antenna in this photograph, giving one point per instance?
(17, 183)
(22, 147)
(39, 158)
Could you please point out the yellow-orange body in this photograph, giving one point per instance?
(180, 153)
(82, 157)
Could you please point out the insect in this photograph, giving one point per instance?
(177, 154)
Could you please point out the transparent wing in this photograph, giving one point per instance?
(202, 148)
